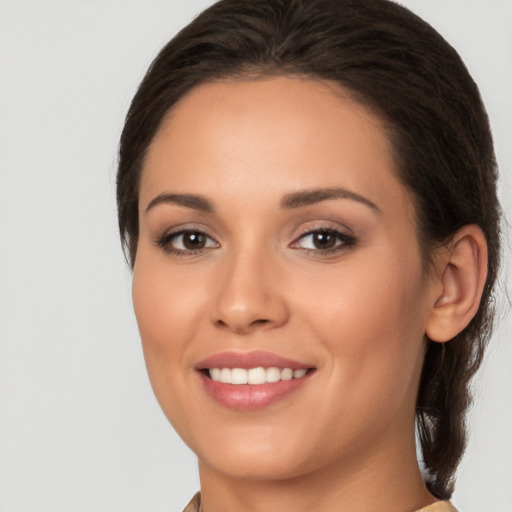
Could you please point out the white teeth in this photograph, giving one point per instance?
(254, 376)
(238, 376)
(286, 374)
(225, 376)
(273, 374)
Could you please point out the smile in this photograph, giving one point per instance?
(259, 375)
(248, 381)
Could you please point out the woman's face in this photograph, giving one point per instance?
(276, 238)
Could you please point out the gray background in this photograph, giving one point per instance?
(79, 427)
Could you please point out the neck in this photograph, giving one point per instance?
(385, 478)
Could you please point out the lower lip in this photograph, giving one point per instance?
(248, 397)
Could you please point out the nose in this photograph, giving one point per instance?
(249, 295)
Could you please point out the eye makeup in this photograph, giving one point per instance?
(186, 242)
(193, 242)
(324, 241)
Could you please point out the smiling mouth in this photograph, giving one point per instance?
(250, 389)
(248, 381)
(254, 376)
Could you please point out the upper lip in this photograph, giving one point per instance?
(253, 359)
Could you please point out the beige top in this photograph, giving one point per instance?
(439, 506)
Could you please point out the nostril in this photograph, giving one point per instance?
(243, 326)
(260, 321)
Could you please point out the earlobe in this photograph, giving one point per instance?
(462, 271)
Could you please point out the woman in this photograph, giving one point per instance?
(307, 194)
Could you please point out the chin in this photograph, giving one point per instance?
(256, 456)
(257, 466)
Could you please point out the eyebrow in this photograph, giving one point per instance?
(189, 200)
(312, 196)
(291, 200)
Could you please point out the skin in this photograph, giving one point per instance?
(344, 440)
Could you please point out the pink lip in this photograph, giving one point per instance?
(248, 397)
(247, 360)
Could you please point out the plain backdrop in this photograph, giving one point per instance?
(79, 427)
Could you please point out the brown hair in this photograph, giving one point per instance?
(395, 63)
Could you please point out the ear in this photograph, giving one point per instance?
(461, 268)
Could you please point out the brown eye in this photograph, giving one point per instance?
(193, 240)
(186, 242)
(324, 240)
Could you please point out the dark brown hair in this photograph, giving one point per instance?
(396, 64)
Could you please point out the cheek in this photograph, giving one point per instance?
(377, 294)
(168, 309)
(371, 321)
(167, 303)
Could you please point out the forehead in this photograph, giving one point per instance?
(267, 135)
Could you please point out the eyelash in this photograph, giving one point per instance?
(343, 242)
(165, 242)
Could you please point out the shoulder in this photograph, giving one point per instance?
(194, 504)
(439, 506)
